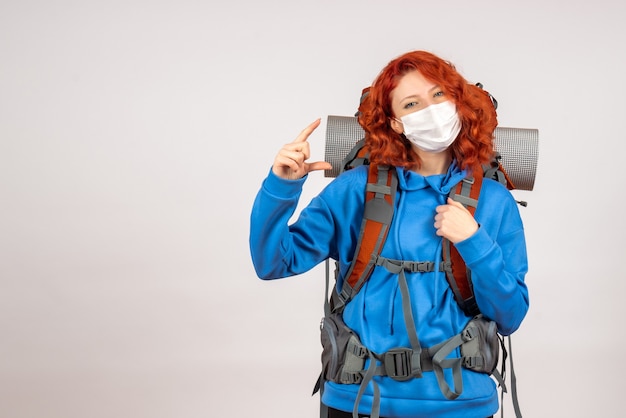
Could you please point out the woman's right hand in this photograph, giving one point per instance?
(290, 163)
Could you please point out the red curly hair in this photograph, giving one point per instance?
(474, 144)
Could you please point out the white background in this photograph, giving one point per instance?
(134, 136)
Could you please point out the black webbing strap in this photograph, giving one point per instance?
(356, 157)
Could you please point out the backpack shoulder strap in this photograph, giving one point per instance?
(380, 193)
(357, 156)
(495, 171)
(458, 275)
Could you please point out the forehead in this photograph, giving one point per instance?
(413, 83)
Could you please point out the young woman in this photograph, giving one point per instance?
(425, 120)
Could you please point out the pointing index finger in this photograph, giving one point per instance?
(306, 132)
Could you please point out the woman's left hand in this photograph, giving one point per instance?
(454, 222)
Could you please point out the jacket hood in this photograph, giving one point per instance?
(410, 180)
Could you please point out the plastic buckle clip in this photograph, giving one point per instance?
(399, 364)
(421, 266)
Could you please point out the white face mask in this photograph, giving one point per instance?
(433, 128)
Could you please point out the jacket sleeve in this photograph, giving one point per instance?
(278, 248)
(496, 256)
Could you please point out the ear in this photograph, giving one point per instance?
(396, 125)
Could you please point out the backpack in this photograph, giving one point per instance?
(343, 357)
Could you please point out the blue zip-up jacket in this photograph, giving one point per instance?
(329, 227)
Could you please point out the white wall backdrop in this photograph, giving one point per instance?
(134, 136)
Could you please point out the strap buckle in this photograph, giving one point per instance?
(420, 266)
(350, 378)
(402, 363)
(473, 362)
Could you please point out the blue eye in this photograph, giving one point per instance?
(439, 94)
(410, 105)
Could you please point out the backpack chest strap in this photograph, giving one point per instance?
(395, 266)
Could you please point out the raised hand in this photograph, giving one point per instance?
(291, 161)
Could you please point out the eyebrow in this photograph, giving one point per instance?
(436, 87)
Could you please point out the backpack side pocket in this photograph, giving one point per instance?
(481, 349)
(343, 355)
